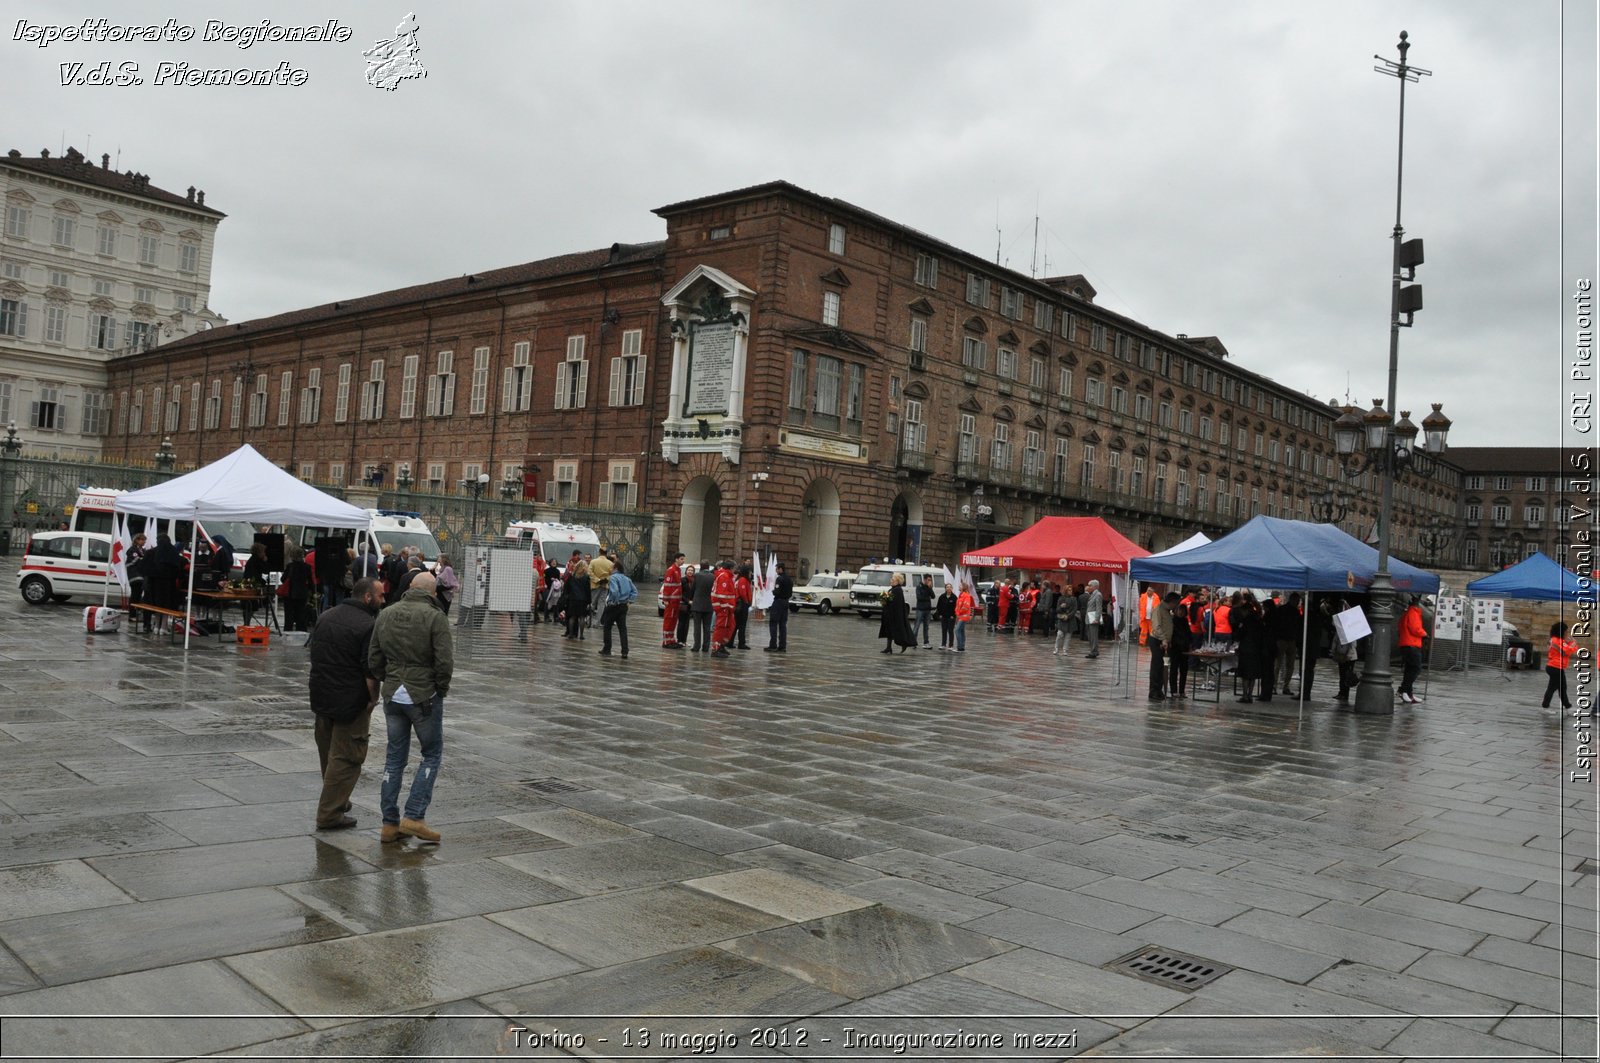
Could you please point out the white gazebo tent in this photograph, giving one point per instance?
(244, 486)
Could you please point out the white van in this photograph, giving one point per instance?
(872, 583)
(553, 541)
(400, 529)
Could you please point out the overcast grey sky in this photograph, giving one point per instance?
(1223, 168)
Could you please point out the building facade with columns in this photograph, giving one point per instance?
(782, 367)
(93, 263)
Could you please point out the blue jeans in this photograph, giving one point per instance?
(961, 634)
(401, 719)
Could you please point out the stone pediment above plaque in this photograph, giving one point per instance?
(976, 324)
(835, 276)
(970, 404)
(701, 281)
(1039, 347)
(921, 306)
(1009, 338)
(836, 338)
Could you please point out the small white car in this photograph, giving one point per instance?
(826, 594)
(58, 565)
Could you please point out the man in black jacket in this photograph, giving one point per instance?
(343, 694)
(700, 606)
(924, 608)
(778, 615)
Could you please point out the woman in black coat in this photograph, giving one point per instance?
(895, 627)
(1254, 646)
(576, 593)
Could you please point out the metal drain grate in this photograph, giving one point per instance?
(1175, 970)
(1589, 867)
(552, 786)
(273, 699)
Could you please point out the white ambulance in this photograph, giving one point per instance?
(553, 541)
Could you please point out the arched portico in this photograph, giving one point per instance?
(700, 520)
(819, 529)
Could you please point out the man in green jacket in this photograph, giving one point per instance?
(413, 657)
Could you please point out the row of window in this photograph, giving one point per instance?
(1503, 483)
(1504, 553)
(107, 238)
(99, 287)
(101, 331)
(438, 390)
(51, 410)
(1532, 512)
(619, 490)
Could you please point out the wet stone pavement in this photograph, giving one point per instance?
(826, 854)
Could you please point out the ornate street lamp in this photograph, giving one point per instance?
(976, 511)
(1331, 506)
(403, 478)
(165, 458)
(477, 486)
(511, 486)
(1435, 539)
(11, 446)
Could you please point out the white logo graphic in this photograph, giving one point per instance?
(393, 61)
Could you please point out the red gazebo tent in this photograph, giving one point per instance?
(1061, 543)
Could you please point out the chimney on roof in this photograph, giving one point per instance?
(191, 193)
(44, 153)
(13, 154)
(200, 197)
(105, 161)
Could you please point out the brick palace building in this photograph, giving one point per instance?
(782, 360)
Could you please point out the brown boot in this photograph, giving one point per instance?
(420, 830)
(389, 833)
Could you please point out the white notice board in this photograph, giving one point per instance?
(1447, 616)
(510, 580)
(1488, 620)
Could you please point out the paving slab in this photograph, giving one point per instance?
(64, 886)
(218, 868)
(96, 942)
(919, 898)
(775, 893)
(399, 970)
(389, 900)
(867, 951)
(1076, 988)
(50, 839)
(193, 1007)
(617, 928)
(605, 866)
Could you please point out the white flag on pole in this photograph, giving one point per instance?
(762, 577)
(119, 552)
(948, 577)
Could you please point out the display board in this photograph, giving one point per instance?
(1351, 625)
(1447, 618)
(510, 580)
(1488, 620)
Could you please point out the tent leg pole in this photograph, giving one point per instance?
(105, 591)
(188, 604)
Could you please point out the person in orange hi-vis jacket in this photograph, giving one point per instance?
(1412, 632)
(1555, 664)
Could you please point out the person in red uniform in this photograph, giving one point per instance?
(1412, 632)
(1555, 664)
(672, 601)
(724, 597)
(744, 592)
(1007, 596)
(1029, 597)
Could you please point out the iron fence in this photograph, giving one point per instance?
(38, 494)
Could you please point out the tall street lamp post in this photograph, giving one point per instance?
(1388, 444)
(477, 487)
(977, 511)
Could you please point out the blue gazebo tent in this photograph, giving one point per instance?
(1537, 578)
(1289, 555)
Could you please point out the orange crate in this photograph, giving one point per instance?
(252, 636)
